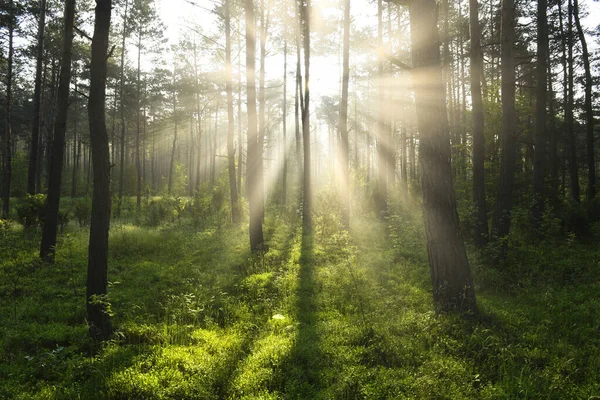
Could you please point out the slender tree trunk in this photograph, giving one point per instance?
(50, 228)
(174, 147)
(284, 119)
(573, 167)
(481, 223)
(344, 119)
(307, 190)
(138, 165)
(239, 111)
(253, 162)
(122, 101)
(450, 271)
(589, 111)
(539, 167)
(97, 282)
(501, 220)
(264, 25)
(35, 133)
(235, 217)
(383, 145)
(76, 140)
(7, 148)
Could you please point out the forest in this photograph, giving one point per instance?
(299, 199)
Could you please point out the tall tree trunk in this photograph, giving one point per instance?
(230, 125)
(174, 147)
(450, 271)
(97, 282)
(253, 160)
(307, 190)
(264, 26)
(37, 94)
(49, 231)
(344, 156)
(284, 119)
(138, 165)
(573, 167)
(589, 111)
(481, 223)
(122, 101)
(383, 144)
(7, 145)
(539, 162)
(501, 219)
(239, 111)
(76, 141)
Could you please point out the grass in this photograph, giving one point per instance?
(333, 315)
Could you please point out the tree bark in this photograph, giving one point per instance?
(450, 271)
(7, 145)
(230, 126)
(539, 162)
(253, 160)
(501, 219)
(37, 94)
(573, 167)
(97, 282)
(344, 156)
(47, 248)
(121, 101)
(307, 190)
(481, 222)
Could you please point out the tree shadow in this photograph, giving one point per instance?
(304, 378)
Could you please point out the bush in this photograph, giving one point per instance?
(31, 210)
(82, 210)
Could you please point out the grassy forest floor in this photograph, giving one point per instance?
(334, 315)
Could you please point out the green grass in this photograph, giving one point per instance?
(333, 315)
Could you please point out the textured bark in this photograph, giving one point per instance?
(97, 282)
(122, 110)
(228, 87)
(284, 128)
(253, 162)
(501, 220)
(138, 163)
(481, 222)
(344, 149)
(7, 142)
(573, 167)
(541, 135)
(589, 111)
(58, 145)
(306, 184)
(450, 271)
(37, 101)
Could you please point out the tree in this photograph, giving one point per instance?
(501, 219)
(481, 223)
(539, 167)
(230, 125)
(8, 141)
(58, 144)
(344, 118)
(122, 101)
(305, 10)
(254, 161)
(97, 280)
(450, 271)
(37, 95)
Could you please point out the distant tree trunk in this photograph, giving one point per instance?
(450, 271)
(589, 111)
(344, 148)
(138, 165)
(539, 167)
(307, 190)
(213, 147)
(501, 219)
(76, 141)
(284, 119)
(253, 160)
(7, 145)
(298, 101)
(37, 94)
(174, 147)
(573, 167)
(50, 228)
(122, 101)
(239, 110)
(481, 222)
(383, 145)
(264, 26)
(97, 282)
(554, 160)
(235, 217)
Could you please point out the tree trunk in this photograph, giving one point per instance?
(450, 271)
(138, 165)
(37, 94)
(174, 147)
(7, 145)
(589, 111)
(230, 125)
(121, 101)
(307, 190)
(501, 219)
(284, 119)
(253, 161)
(481, 223)
(97, 282)
(573, 168)
(539, 162)
(49, 231)
(344, 156)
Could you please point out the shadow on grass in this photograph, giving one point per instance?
(306, 363)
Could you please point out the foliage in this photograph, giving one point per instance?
(31, 210)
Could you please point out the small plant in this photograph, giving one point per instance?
(82, 211)
(31, 210)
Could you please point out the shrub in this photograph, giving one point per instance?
(31, 210)
(82, 211)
